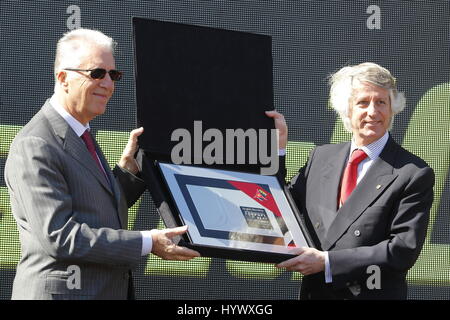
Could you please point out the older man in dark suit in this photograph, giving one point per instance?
(366, 202)
(71, 210)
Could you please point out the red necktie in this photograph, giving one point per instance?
(89, 141)
(351, 174)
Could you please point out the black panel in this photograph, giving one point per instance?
(187, 73)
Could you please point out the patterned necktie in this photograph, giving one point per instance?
(89, 141)
(351, 174)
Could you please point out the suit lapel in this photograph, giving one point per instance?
(379, 176)
(330, 180)
(324, 200)
(113, 184)
(74, 145)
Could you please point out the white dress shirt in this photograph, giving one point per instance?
(79, 129)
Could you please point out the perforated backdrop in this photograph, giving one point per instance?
(311, 39)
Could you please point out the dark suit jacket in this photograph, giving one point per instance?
(383, 223)
(68, 214)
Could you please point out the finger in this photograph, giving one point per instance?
(186, 252)
(274, 114)
(172, 232)
(294, 260)
(137, 132)
(294, 269)
(301, 250)
(181, 253)
(288, 263)
(183, 258)
(133, 140)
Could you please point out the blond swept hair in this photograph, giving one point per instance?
(343, 81)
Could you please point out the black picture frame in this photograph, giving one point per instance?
(172, 214)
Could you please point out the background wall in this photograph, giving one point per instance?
(311, 39)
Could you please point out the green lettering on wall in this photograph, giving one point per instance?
(428, 136)
(9, 235)
(7, 134)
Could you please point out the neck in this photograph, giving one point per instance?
(71, 108)
(362, 142)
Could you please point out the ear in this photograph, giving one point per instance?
(61, 78)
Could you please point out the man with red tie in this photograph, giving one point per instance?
(71, 209)
(365, 202)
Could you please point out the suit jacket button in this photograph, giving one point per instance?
(317, 225)
(357, 233)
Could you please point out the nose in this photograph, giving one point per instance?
(107, 82)
(372, 108)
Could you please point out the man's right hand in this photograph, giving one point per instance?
(281, 126)
(164, 247)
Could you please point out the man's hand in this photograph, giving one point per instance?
(127, 160)
(308, 261)
(164, 248)
(280, 124)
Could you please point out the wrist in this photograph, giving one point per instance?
(129, 164)
(282, 142)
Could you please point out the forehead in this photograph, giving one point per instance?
(95, 56)
(367, 89)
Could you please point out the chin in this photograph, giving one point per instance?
(101, 109)
(97, 112)
(373, 136)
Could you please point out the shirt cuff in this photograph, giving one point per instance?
(282, 152)
(328, 276)
(147, 243)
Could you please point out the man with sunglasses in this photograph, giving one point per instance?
(70, 208)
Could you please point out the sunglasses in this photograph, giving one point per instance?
(99, 73)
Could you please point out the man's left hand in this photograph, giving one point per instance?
(308, 261)
(127, 160)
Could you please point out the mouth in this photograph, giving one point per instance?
(103, 96)
(372, 123)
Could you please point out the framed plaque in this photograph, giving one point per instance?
(199, 79)
(234, 214)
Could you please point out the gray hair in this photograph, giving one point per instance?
(342, 83)
(72, 44)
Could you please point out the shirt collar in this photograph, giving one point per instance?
(76, 126)
(374, 149)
